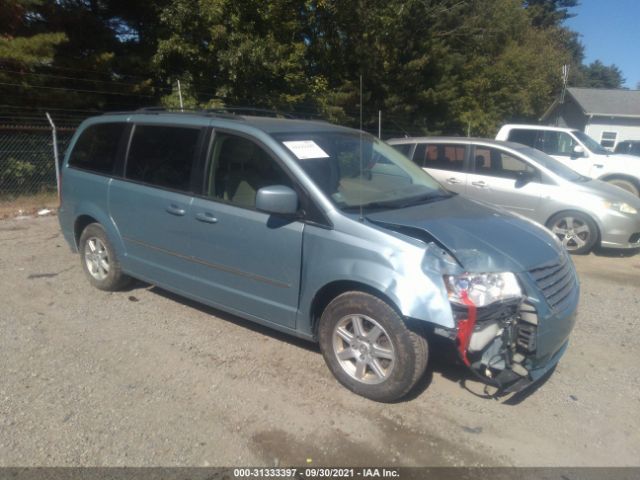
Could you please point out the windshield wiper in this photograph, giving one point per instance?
(402, 202)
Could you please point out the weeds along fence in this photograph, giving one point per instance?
(27, 163)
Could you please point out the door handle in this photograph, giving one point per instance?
(453, 180)
(480, 184)
(176, 210)
(598, 165)
(206, 217)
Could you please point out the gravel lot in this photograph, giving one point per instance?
(145, 378)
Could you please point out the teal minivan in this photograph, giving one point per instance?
(323, 232)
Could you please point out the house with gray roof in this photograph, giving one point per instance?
(607, 115)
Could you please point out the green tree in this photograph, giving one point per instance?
(21, 48)
(598, 75)
(549, 13)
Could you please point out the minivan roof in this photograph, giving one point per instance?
(268, 125)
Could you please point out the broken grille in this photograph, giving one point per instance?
(556, 281)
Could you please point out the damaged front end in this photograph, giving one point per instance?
(496, 329)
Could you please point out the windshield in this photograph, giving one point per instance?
(552, 164)
(590, 143)
(359, 171)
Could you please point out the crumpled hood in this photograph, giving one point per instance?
(482, 238)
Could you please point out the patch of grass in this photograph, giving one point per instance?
(27, 204)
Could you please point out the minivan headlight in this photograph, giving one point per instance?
(482, 288)
(622, 207)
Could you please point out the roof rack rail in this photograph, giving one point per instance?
(255, 111)
(222, 112)
(152, 109)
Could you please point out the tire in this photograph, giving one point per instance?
(577, 231)
(99, 260)
(369, 349)
(627, 185)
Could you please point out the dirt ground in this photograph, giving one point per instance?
(145, 378)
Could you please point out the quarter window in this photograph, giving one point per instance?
(496, 163)
(608, 139)
(239, 168)
(162, 156)
(440, 156)
(97, 147)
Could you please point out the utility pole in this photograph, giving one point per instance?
(180, 97)
(56, 159)
(565, 79)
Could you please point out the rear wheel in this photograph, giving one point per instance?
(577, 232)
(369, 349)
(99, 260)
(624, 184)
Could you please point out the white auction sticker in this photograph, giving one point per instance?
(304, 149)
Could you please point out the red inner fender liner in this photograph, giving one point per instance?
(465, 328)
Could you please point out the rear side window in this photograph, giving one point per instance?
(525, 137)
(97, 147)
(162, 156)
(440, 156)
(404, 148)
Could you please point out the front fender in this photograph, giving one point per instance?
(402, 276)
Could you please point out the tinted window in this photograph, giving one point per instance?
(526, 137)
(404, 148)
(496, 163)
(97, 147)
(440, 156)
(162, 156)
(239, 168)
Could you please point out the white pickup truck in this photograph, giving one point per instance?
(578, 151)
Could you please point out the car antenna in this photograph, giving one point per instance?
(361, 166)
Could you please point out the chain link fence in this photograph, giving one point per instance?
(27, 163)
(27, 166)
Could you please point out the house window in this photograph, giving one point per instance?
(608, 139)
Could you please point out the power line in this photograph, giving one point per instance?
(77, 90)
(64, 77)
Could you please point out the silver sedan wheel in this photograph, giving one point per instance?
(572, 232)
(96, 258)
(363, 349)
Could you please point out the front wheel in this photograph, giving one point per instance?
(577, 232)
(369, 349)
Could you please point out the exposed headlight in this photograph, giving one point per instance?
(622, 207)
(482, 288)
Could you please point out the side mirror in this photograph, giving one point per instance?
(578, 151)
(523, 177)
(277, 199)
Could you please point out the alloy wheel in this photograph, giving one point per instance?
(96, 258)
(573, 232)
(363, 349)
